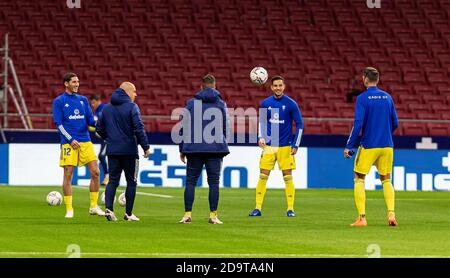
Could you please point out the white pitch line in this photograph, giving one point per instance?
(214, 255)
(138, 193)
(150, 194)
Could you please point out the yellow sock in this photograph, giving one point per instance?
(261, 190)
(360, 196)
(93, 197)
(213, 214)
(290, 191)
(68, 202)
(188, 213)
(389, 195)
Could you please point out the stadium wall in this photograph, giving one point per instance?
(414, 170)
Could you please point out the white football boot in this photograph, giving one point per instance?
(131, 217)
(96, 211)
(110, 215)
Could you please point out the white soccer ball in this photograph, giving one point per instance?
(54, 198)
(102, 198)
(259, 75)
(122, 200)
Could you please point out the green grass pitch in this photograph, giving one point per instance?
(31, 228)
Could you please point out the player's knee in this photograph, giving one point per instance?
(191, 180)
(213, 181)
(265, 172)
(95, 174)
(68, 170)
(287, 172)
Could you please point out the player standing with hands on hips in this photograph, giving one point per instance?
(73, 115)
(278, 142)
(120, 124)
(376, 120)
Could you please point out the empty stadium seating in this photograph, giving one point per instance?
(165, 46)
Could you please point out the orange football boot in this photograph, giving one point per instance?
(360, 222)
(391, 219)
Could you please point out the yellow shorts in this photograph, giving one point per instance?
(79, 157)
(282, 155)
(382, 158)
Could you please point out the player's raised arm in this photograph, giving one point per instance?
(357, 124)
(57, 118)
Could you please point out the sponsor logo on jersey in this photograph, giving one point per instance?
(77, 115)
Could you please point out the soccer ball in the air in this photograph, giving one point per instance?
(54, 198)
(122, 200)
(102, 198)
(259, 75)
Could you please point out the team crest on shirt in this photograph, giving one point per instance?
(269, 108)
(76, 115)
(67, 105)
(276, 119)
(283, 107)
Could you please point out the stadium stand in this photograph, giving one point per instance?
(165, 46)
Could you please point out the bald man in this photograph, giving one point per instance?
(120, 124)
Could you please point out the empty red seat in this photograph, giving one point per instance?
(315, 127)
(438, 129)
(414, 129)
(343, 128)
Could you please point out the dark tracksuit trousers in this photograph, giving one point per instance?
(194, 167)
(130, 165)
(102, 157)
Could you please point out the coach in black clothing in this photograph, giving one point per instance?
(202, 149)
(120, 124)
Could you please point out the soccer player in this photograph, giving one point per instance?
(376, 119)
(97, 107)
(120, 124)
(72, 115)
(204, 152)
(281, 146)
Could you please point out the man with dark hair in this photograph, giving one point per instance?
(97, 107)
(204, 151)
(73, 115)
(376, 119)
(120, 124)
(281, 146)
